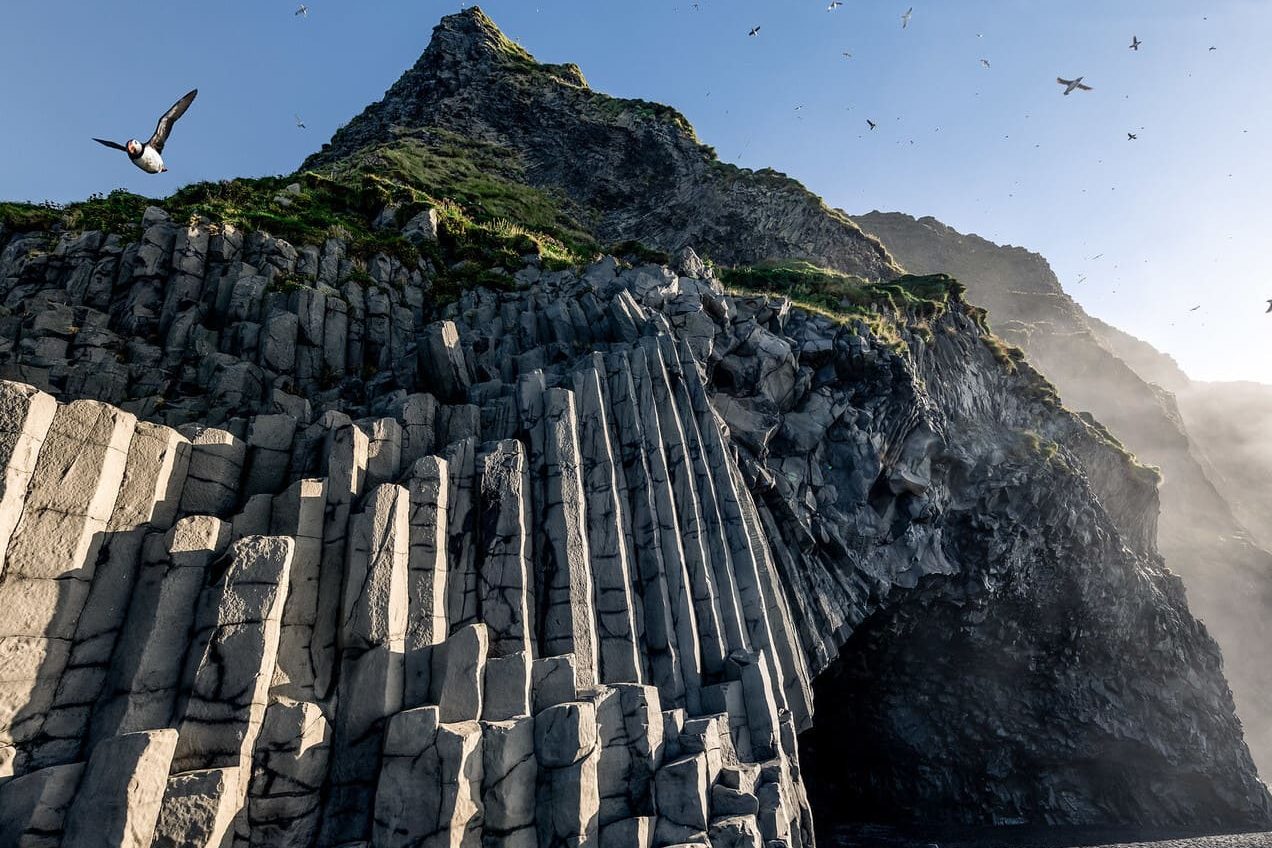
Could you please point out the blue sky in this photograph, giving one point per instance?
(1180, 215)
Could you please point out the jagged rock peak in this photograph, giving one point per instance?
(628, 170)
(471, 36)
(471, 41)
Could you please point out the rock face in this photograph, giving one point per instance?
(636, 170)
(296, 555)
(596, 612)
(1214, 519)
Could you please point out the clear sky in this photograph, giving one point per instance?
(1180, 215)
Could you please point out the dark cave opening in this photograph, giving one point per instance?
(937, 713)
(942, 713)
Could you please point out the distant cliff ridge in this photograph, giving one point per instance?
(1212, 520)
(375, 506)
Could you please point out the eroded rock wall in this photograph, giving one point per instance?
(556, 566)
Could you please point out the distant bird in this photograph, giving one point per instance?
(1213, 49)
(1131, 136)
(1135, 43)
(985, 62)
(847, 55)
(871, 123)
(835, 4)
(1269, 307)
(147, 156)
(302, 12)
(1195, 308)
(754, 32)
(1073, 85)
(905, 19)
(299, 123)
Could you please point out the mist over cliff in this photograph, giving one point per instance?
(1208, 439)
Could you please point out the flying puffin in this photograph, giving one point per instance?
(147, 156)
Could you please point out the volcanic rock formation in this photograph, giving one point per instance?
(1213, 473)
(337, 542)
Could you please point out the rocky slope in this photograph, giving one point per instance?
(396, 531)
(632, 169)
(1203, 532)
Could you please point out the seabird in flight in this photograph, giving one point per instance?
(147, 156)
(1073, 85)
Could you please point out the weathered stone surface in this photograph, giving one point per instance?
(148, 497)
(145, 675)
(680, 795)
(461, 589)
(427, 561)
(290, 766)
(216, 468)
(33, 807)
(608, 545)
(735, 832)
(345, 452)
(240, 637)
(384, 451)
(268, 453)
(506, 687)
(566, 610)
(375, 600)
(509, 775)
(444, 363)
(373, 629)
(503, 547)
(422, 228)
(630, 727)
(567, 750)
(25, 416)
(430, 786)
(552, 682)
(51, 559)
(459, 673)
(629, 833)
(198, 809)
(300, 513)
(120, 793)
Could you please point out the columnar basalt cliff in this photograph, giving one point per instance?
(359, 541)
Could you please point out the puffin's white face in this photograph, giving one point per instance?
(134, 147)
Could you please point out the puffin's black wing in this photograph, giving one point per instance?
(170, 117)
(113, 144)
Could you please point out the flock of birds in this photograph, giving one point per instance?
(1069, 85)
(148, 155)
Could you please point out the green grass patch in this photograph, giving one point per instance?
(488, 219)
(884, 307)
(845, 294)
(636, 253)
